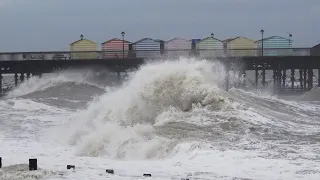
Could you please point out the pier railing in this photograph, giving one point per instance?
(153, 54)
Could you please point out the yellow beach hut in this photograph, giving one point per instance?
(240, 46)
(78, 49)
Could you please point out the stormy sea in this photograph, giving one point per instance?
(171, 119)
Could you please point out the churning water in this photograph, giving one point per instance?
(172, 119)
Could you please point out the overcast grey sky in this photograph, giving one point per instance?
(37, 25)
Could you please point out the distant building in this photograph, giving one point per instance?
(210, 47)
(240, 46)
(315, 50)
(177, 47)
(147, 48)
(115, 48)
(83, 45)
(275, 46)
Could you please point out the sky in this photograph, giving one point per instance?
(51, 25)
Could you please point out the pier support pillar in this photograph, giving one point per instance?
(305, 79)
(0, 85)
(119, 76)
(21, 77)
(279, 80)
(257, 77)
(301, 79)
(292, 79)
(16, 79)
(318, 77)
(284, 76)
(310, 78)
(275, 77)
(263, 73)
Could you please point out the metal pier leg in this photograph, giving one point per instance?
(304, 79)
(310, 78)
(257, 74)
(275, 77)
(301, 78)
(119, 76)
(284, 76)
(279, 79)
(244, 78)
(16, 79)
(263, 77)
(318, 77)
(292, 79)
(0, 83)
(22, 77)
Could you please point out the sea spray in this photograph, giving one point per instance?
(153, 90)
(168, 103)
(244, 133)
(37, 84)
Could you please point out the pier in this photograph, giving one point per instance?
(298, 71)
(24, 69)
(292, 69)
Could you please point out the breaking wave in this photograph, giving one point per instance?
(125, 118)
(166, 104)
(58, 81)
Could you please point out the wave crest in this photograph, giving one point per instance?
(153, 90)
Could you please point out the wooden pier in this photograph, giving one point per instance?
(294, 65)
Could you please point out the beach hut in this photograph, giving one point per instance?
(147, 48)
(115, 48)
(275, 46)
(177, 47)
(83, 45)
(210, 47)
(240, 46)
(315, 50)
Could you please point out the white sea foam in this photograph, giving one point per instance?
(21, 172)
(34, 83)
(312, 95)
(171, 119)
(119, 119)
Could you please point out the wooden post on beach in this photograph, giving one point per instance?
(33, 164)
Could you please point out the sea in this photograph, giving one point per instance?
(172, 119)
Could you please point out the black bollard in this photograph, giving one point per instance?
(71, 167)
(33, 164)
(147, 175)
(110, 171)
(0, 162)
